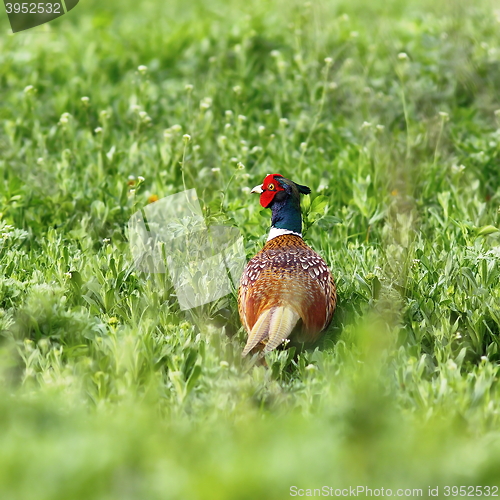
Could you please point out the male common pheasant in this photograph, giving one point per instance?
(286, 286)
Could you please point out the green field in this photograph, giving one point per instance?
(388, 111)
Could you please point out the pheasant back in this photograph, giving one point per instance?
(286, 286)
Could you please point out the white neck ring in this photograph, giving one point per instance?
(275, 231)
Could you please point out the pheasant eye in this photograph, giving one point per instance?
(270, 187)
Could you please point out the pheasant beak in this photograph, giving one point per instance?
(257, 189)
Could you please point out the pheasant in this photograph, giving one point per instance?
(287, 286)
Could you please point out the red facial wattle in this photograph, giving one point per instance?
(266, 198)
(270, 186)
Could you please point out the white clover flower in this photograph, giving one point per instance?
(188, 87)
(216, 170)
(240, 166)
(228, 113)
(85, 99)
(245, 190)
(98, 130)
(275, 53)
(29, 89)
(64, 120)
(28, 342)
(142, 69)
(328, 61)
(365, 125)
(457, 169)
(104, 115)
(261, 129)
(186, 138)
(224, 364)
(403, 56)
(227, 126)
(237, 89)
(241, 118)
(205, 103)
(311, 368)
(40, 161)
(303, 146)
(176, 128)
(140, 178)
(283, 122)
(444, 115)
(144, 117)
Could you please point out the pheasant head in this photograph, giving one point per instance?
(282, 196)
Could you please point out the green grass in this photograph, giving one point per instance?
(108, 390)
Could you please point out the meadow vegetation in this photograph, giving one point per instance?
(387, 110)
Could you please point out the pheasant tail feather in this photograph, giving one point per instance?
(259, 331)
(275, 325)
